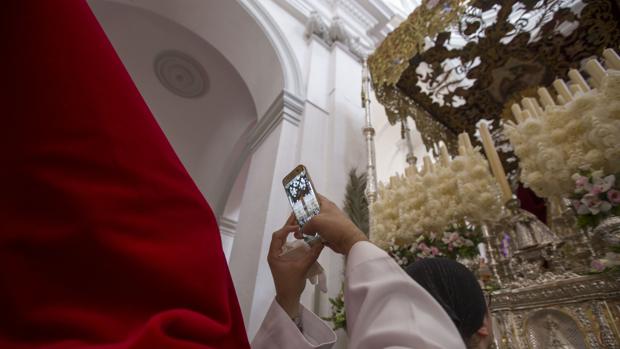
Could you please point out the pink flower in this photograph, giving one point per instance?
(592, 203)
(604, 184)
(596, 189)
(434, 251)
(614, 196)
(581, 183)
(598, 265)
(424, 248)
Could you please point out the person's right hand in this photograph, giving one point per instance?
(336, 229)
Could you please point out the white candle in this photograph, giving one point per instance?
(496, 164)
(545, 97)
(428, 164)
(576, 89)
(611, 58)
(467, 142)
(539, 109)
(562, 89)
(576, 77)
(596, 71)
(526, 114)
(516, 112)
(411, 171)
(561, 100)
(462, 150)
(444, 157)
(528, 104)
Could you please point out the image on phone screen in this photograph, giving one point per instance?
(301, 195)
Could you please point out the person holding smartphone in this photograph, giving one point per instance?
(385, 307)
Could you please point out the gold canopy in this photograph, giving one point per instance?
(452, 63)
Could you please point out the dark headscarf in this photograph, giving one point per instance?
(454, 287)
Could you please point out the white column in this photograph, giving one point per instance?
(264, 209)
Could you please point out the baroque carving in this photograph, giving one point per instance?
(461, 61)
(333, 32)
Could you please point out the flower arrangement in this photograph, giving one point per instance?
(458, 242)
(595, 197)
(429, 203)
(564, 139)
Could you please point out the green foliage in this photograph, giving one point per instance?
(355, 203)
(459, 241)
(338, 317)
(590, 220)
(356, 207)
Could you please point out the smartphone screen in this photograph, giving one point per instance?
(301, 195)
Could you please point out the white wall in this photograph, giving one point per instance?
(391, 150)
(204, 131)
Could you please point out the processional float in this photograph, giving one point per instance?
(507, 73)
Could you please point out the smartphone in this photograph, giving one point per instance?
(302, 196)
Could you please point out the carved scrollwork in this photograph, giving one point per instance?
(460, 62)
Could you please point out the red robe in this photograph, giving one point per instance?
(105, 241)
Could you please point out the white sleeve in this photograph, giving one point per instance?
(386, 309)
(279, 331)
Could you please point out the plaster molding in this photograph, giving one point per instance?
(293, 80)
(228, 226)
(286, 107)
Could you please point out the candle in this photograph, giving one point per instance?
(576, 89)
(411, 171)
(539, 109)
(561, 100)
(526, 114)
(528, 104)
(611, 58)
(444, 157)
(496, 165)
(467, 142)
(516, 112)
(596, 71)
(428, 165)
(576, 77)
(462, 150)
(562, 89)
(546, 98)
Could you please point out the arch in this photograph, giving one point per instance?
(239, 30)
(293, 81)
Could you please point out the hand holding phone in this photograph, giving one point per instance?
(301, 195)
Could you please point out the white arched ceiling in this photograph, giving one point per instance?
(245, 34)
(208, 131)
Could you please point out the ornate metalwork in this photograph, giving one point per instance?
(452, 63)
(369, 134)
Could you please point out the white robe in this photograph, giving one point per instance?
(385, 309)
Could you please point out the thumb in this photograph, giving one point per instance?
(311, 227)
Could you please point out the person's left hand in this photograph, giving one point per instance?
(289, 275)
